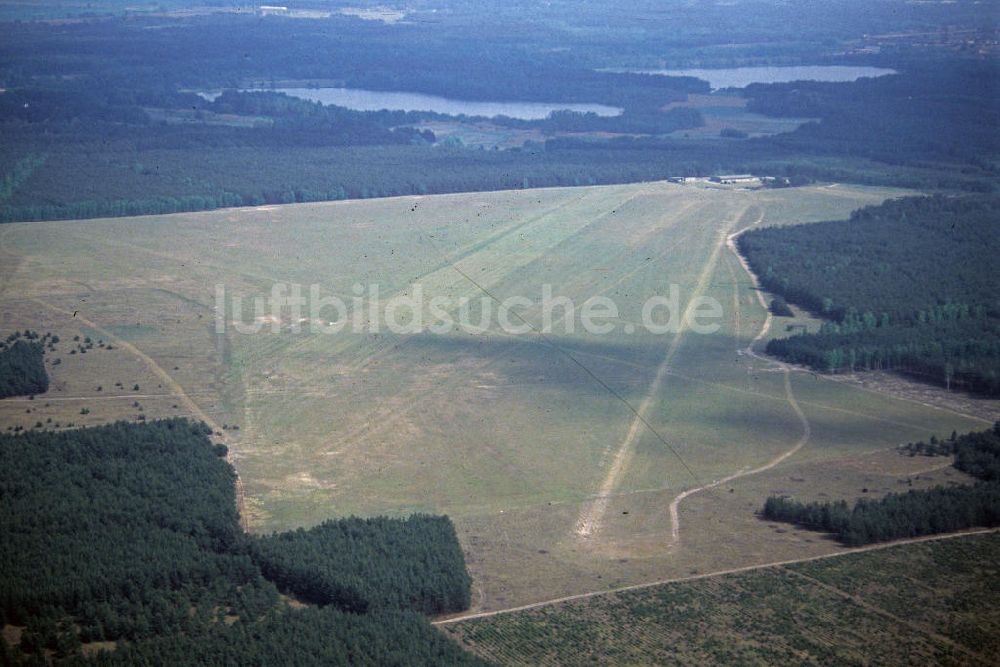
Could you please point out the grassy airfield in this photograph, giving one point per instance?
(556, 486)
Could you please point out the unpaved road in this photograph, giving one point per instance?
(675, 522)
(172, 384)
(592, 515)
(738, 570)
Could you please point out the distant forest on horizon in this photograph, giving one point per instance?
(137, 543)
(99, 117)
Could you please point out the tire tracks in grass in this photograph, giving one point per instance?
(768, 397)
(444, 266)
(376, 425)
(389, 344)
(389, 420)
(384, 416)
(389, 411)
(674, 509)
(592, 514)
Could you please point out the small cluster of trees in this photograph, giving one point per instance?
(915, 513)
(779, 308)
(22, 366)
(635, 120)
(896, 516)
(977, 453)
(358, 564)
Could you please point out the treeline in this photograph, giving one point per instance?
(909, 286)
(376, 563)
(130, 533)
(85, 95)
(977, 453)
(939, 110)
(128, 180)
(22, 366)
(300, 638)
(214, 52)
(330, 125)
(915, 513)
(177, 169)
(632, 121)
(150, 206)
(954, 353)
(896, 516)
(158, 179)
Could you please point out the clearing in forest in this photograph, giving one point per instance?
(542, 449)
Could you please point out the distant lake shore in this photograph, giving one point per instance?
(741, 77)
(376, 100)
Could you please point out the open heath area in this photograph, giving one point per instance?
(570, 460)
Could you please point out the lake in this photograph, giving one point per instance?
(740, 77)
(375, 100)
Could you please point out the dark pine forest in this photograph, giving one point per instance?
(128, 533)
(915, 513)
(22, 368)
(906, 286)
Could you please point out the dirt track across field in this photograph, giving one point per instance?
(696, 577)
(174, 386)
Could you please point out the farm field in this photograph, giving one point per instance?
(555, 485)
(922, 603)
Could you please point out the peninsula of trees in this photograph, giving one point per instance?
(905, 286)
(915, 513)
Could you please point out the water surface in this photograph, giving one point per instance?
(741, 77)
(375, 100)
